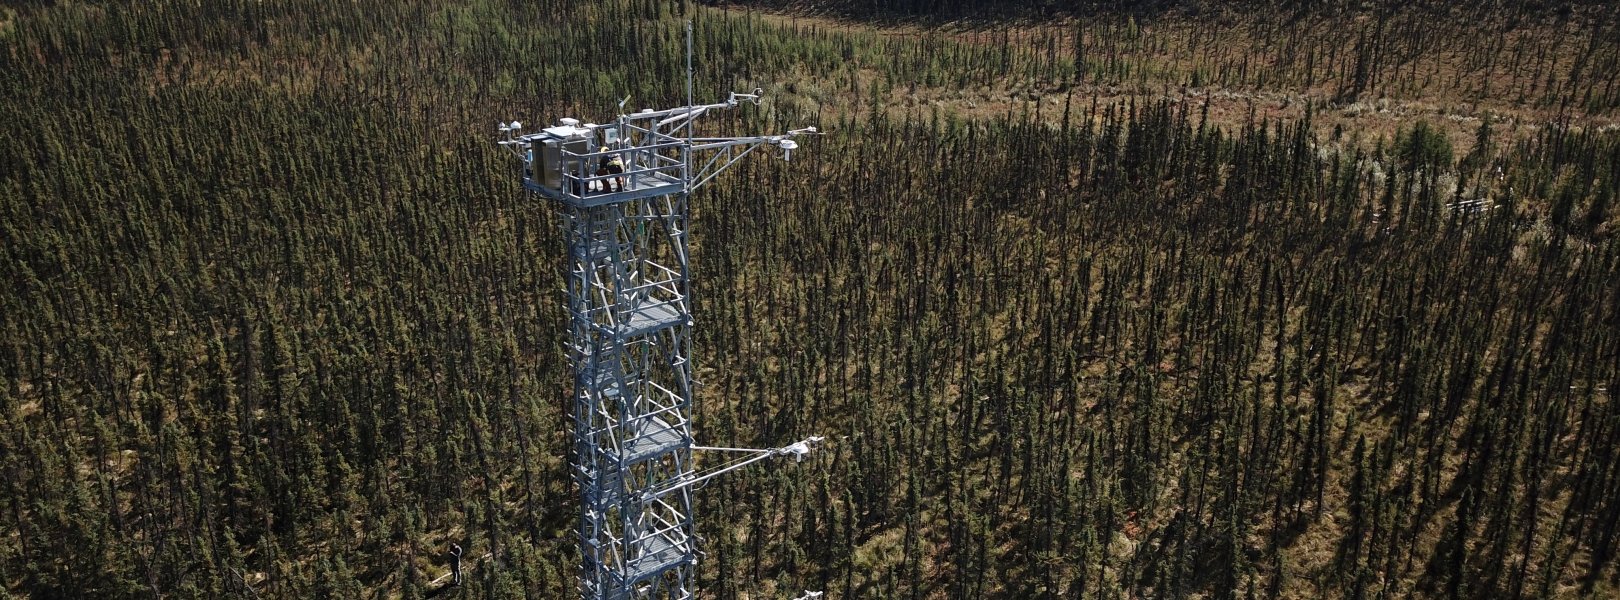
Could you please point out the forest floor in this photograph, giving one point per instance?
(1361, 122)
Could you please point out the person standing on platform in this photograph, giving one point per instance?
(612, 164)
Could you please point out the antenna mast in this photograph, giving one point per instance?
(622, 191)
(688, 63)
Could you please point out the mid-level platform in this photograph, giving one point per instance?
(651, 437)
(657, 553)
(648, 318)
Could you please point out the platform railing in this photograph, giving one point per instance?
(638, 162)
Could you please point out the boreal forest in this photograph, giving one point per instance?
(1112, 299)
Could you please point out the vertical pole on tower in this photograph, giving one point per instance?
(689, 100)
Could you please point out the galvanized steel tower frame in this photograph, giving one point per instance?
(622, 191)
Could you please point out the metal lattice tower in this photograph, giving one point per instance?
(622, 191)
